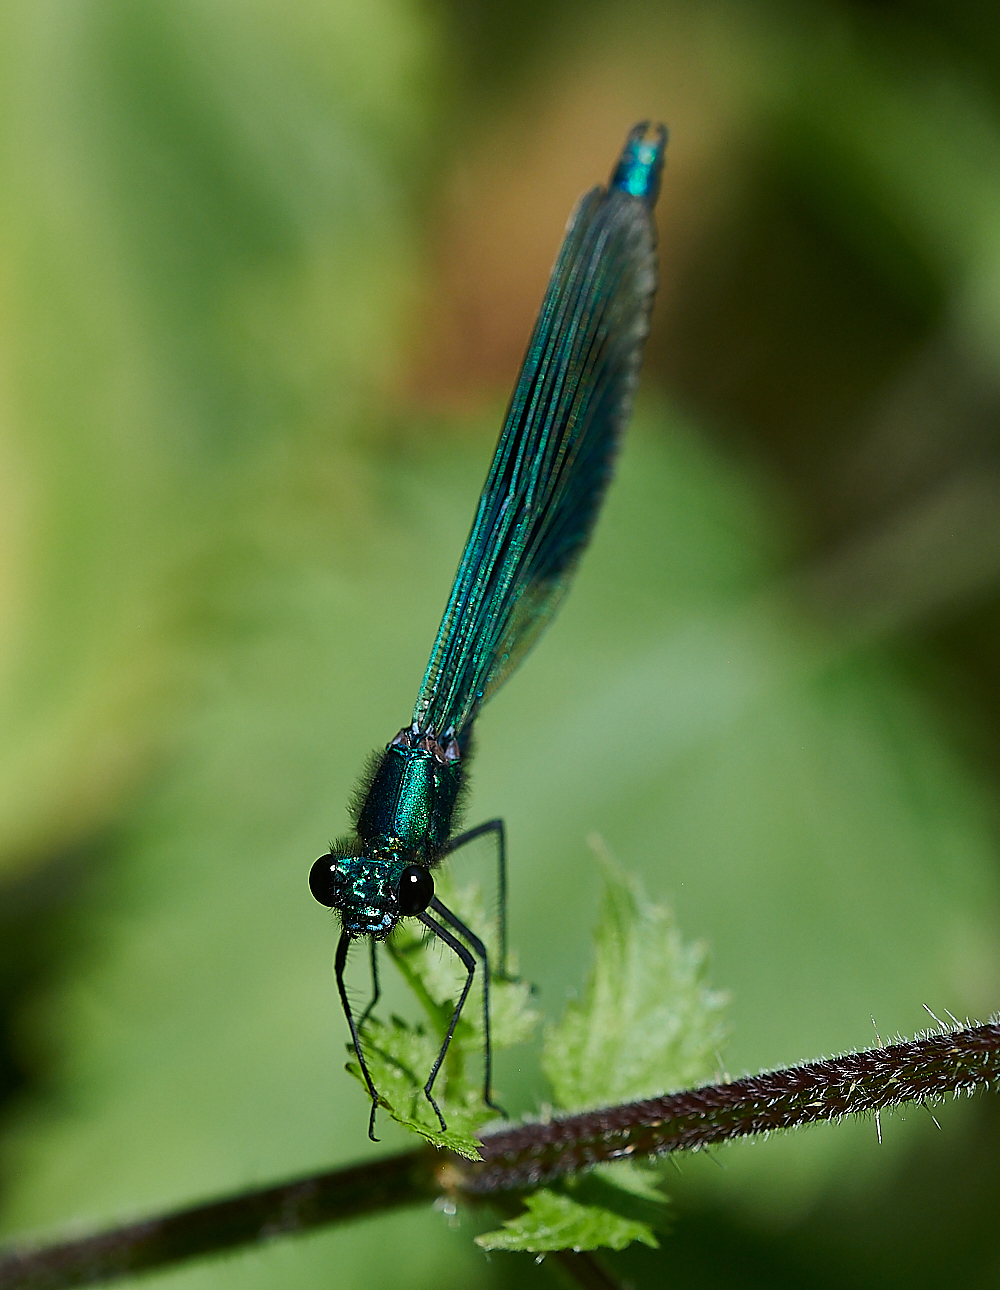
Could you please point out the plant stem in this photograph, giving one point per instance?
(244, 1219)
(921, 1070)
(581, 1268)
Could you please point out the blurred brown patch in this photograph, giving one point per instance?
(507, 201)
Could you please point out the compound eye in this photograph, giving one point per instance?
(326, 881)
(416, 889)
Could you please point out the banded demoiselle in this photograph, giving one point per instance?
(537, 510)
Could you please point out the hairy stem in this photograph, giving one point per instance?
(921, 1070)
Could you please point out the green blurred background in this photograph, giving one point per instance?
(266, 273)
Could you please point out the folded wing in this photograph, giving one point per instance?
(557, 448)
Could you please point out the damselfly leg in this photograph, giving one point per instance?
(340, 962)
(376, 987)
(469, 963)
(495, 827)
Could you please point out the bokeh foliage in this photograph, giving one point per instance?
(265, 275)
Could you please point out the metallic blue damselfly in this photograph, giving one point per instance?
(552, 466)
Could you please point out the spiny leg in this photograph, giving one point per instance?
(376, 987)
(340, 962)
(470, 967)
(478, 948)
(470, 835)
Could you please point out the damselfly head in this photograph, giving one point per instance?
(371, 895)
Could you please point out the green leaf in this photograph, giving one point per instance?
(627, 1189)
(648, 1022)
(400, 1057)
(557, 1222)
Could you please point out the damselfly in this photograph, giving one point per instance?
(538, 506)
